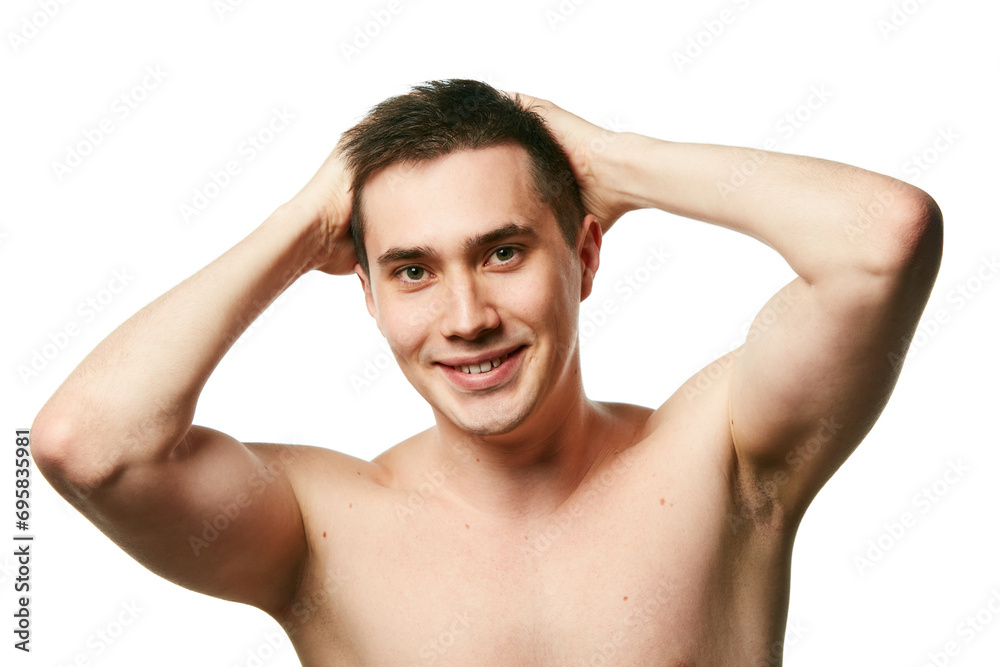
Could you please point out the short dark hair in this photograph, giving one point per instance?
(439, 117)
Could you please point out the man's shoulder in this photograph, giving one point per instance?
(701, 399)
(303, 463)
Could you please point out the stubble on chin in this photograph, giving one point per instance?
(491, 420)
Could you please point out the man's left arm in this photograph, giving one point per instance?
(825, 352)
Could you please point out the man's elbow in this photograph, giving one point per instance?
(912, 240)
(60, 453)
(916, 237)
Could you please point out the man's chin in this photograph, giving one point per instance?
(485, 423)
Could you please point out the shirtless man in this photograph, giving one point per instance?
(553, 530)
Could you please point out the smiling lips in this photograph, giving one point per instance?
(483, 367)
(474, 374)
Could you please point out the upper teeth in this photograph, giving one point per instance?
(484, 366)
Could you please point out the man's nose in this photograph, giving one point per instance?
(468, 311)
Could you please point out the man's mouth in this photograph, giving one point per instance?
(484, 367)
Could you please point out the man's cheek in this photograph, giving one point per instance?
(403, 333)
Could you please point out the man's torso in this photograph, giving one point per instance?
(665, 554)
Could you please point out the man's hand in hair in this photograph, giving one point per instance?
(595, 155)
(327, 196)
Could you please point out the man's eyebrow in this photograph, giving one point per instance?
(397, 254)
(500, 234)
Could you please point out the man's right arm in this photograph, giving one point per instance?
(117, 441)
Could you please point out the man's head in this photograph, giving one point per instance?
(441, 117)
(471, 275)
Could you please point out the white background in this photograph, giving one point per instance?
(888, 96)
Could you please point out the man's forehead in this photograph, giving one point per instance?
(451, 200)
(511, 158)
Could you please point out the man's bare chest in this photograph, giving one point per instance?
(632, 566)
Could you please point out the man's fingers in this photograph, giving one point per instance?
(527, 101)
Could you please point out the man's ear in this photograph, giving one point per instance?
(369, 297)
(589, 252)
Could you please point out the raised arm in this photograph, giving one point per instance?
(117, 441)
(824, 354)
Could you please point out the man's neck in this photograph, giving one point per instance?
(531, 471)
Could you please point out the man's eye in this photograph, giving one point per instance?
(412, 273)
(505, 254)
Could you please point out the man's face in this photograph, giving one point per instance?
(474, 287)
